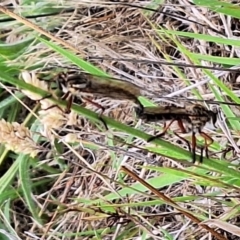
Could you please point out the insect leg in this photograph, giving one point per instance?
(67, 96)
(183, 130)
(194, 147)
(206, 143)
(181, 126)
(227, 150)
(95, 104)
(162, 133)
(201, 154)
(98, 106)
(185, 140)
(69, 103)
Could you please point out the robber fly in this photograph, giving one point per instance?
(195, 116)
(76, 84)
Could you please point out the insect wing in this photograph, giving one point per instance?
(154, 114)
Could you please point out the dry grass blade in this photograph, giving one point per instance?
(172, 203)
(39, 29)
(234, 69)
(224, 225)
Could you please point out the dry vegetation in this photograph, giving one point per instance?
(77, 190)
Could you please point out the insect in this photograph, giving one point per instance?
(76, 84)
(72, 83)
(195, 116)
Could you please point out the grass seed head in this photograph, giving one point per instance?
(31, 78)
(17, 138)
(51, 116)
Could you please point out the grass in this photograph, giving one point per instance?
(79, 189)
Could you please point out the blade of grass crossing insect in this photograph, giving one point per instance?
(21, 84)
(226, 109)
(175, 148)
